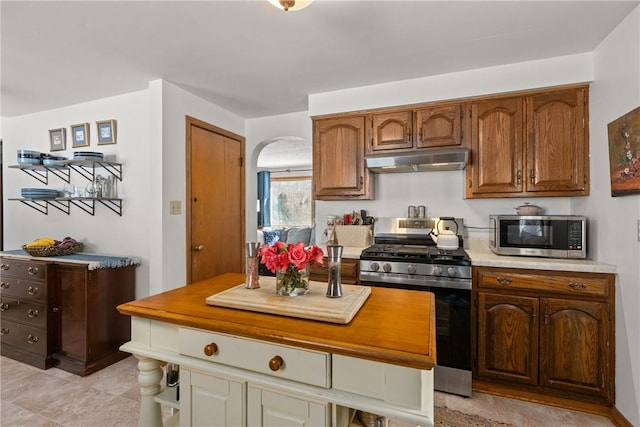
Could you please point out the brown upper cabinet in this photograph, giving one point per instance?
(338, 159)
(434, 126)
(528, 146)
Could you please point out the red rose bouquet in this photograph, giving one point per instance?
(291, 264)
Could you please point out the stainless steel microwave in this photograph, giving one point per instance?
(552, 236)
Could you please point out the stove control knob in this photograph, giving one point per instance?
(374, 266)
(437, 271)
(386, 267)
(411, 269)
(451, 272)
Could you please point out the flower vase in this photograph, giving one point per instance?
(291, 281)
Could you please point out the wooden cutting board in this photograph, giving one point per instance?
(315, 305)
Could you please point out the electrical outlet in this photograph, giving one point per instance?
(175, 207)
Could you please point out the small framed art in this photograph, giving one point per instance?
(106, 132)
(80, 135)
(58, 139)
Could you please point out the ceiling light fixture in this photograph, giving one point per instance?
(291, 4)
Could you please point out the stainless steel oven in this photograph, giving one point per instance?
(404, 256)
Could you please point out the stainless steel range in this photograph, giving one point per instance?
(405, 256)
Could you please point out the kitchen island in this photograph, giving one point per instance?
(241, 367)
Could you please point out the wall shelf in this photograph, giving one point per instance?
(87, 204)
(86, 169)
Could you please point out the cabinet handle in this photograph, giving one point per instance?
(4, 331)
(32, 313)
(32, 270)
(198, 248)
(5, 285)
(276, 363)
(518, 177)
(211, 349)
(32, 290)
(576, 286)
(4, 266)
(32, 339)
(4, 306)
(532, 176)
(56, 309)
(503, 280)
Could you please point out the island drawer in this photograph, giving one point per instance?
(305, 366)
(566, 283)
(32, 270)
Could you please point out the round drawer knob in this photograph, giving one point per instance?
(276, 363)
(211, 349)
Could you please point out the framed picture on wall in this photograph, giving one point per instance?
(624, 154)
(80, 135)
(106, 132)
(58, 139)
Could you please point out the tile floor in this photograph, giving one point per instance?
(110, 398)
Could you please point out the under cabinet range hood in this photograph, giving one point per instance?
(431, 159)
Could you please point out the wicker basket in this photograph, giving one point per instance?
(368, 419)
(52, 250)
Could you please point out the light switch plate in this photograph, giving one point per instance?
(175, 207)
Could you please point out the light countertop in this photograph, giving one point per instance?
(481, 255)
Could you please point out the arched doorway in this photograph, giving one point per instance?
(284, 168)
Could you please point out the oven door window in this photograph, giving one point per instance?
(533, 234)
(453, 327)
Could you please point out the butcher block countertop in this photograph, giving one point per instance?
(393, 326)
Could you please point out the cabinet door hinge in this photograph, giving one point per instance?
(469, 183)
(241, 161)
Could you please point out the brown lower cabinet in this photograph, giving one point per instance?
(63, 314)
(349, 271)
(91, 329)
(549, 333)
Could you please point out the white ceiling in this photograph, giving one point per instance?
(255, 60)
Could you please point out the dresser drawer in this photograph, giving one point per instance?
(557, 282)
(305, 366)
(23, 336)
(28, 313)
(32, 270)
(22, 289)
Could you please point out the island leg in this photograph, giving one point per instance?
(149, 377)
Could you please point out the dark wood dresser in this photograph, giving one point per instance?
(61, 312)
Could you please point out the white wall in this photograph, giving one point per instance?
(259, 132)
(614, 92)
(106, 232)
(150, 144)
(167, 175)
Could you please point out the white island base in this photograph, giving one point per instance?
(249, 382)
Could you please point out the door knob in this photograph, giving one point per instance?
(198, 248)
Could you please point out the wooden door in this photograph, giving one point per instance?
(496, 147)
(215, 208)
(508, 337)
(338, 159)
(574, 342)
(438, 126)
(556, 141)
(391, 131)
